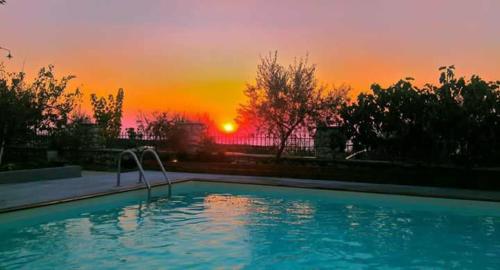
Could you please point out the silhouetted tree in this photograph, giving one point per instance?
(468, 117)
(458, 120)
(286, 99)
(108, 114)
(79, 134)
(165, 128)
(44, 105)
(54, 102)
(17, 110)
(156, 126)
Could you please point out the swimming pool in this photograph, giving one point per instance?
(232, 226)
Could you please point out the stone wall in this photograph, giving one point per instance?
(329, 143)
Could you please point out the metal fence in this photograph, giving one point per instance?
(297, 145)
(300, 144)
(254, 144)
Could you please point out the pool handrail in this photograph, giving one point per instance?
(149, 149)
(141, 170)
(356, 153)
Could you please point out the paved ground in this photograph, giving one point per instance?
(23, 195)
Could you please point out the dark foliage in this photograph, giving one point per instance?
(457, 121)
(108, 114)
(167, 129)
(287, 99)
(45, 105)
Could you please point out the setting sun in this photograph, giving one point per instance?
(279, 119)
(228, 127)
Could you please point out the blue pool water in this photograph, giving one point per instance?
(230, 226)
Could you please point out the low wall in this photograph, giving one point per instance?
(354, 171)
(18, 176)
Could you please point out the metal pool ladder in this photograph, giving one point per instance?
(149, 149)
(138, 162)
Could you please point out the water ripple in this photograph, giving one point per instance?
(236, 227)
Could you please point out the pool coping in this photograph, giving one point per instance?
(362, 187)
(385, 189)
(83, 197)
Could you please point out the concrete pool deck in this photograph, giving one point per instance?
(32, 194)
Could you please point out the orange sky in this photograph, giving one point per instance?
(197, 56)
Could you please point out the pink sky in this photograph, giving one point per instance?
(197, 56)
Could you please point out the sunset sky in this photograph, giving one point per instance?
(197, 56)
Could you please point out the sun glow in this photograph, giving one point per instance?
(228, 127)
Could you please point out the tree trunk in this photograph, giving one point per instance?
(284, 139)
(281, 148)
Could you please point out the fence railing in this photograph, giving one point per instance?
(300, 145)
(258, 144)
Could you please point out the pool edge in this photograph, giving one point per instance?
(365, 188)
(83, 197)
(440, 193)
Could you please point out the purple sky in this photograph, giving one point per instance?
(197, 56)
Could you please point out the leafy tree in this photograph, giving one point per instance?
(53, 101)
(79, 132)
(164, 128)
(286, 99)
(42, 106)
(108, 114)
(468, 117)
(456, 121)
(17, 110)
(391, 119)
(156, 126)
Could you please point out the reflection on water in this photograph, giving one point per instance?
(222, 226)
(227, 209)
